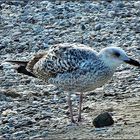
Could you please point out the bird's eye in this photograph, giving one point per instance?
(117, 54)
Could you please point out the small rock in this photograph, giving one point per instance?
(137, 4)
(97, 27)
(43, 123)
(8, 26)
(45, 45)
(109, 1)
(104, 119)
(111, 13)
(2, 46)
(5, 136)
(25, 122)
(120, 5)
(45, 133)
(16, 33)
(8, 111)
(83, 27)
(4, 129)
(137, 29)
(20, 135)
(10, 93)
(4, 98)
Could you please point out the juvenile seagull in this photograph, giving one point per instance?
(75, 68)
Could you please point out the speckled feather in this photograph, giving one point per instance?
(72, 67)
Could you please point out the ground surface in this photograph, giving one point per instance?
(29, 108)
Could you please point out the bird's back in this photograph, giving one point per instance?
(60, 58)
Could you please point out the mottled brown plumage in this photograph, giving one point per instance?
(71, 60)
(75, 67)
(33, 61)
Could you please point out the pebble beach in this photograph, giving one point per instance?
(30, 109)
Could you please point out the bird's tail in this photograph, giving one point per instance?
(21, 67)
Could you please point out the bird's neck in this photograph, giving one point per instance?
(112, 65)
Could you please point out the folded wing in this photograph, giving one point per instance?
(62, 58)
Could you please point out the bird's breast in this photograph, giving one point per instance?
(82, 81)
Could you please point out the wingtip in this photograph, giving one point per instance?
(1, 67)
(21, 67)
(21, 63)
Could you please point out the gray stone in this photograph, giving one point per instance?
(20, 135)
(98, 27)
(137, 4)
(120, 4)
(104, 119)
(10, 93)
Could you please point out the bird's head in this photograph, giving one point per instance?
(114, 56)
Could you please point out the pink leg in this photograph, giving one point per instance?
(80, 106)
(70, 107)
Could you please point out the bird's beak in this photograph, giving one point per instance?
(132, 62)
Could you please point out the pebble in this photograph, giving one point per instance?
(8, 111)
(20, 135)
(137, 4)
(98, 27)
(104, 119)
(10, 93)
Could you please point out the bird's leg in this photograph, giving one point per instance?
(80, 106)
(70, 107)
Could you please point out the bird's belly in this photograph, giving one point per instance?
(81, 83)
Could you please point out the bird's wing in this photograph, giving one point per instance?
(63, 58)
